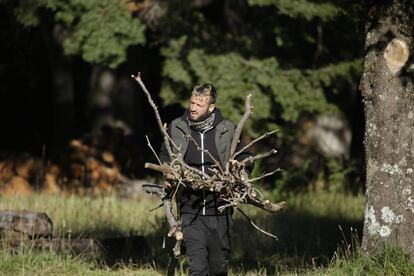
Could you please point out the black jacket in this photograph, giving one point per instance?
(202, 202)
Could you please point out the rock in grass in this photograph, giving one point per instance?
(21, 224)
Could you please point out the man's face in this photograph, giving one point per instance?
(199, 106)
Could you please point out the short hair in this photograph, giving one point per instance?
(206, 89)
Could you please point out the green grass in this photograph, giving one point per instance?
(310, 229)
(48, 263)
(388, 261)
(309, 232)
(91, 217)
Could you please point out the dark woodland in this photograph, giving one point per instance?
(332, 78)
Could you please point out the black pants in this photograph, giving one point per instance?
(207, 241)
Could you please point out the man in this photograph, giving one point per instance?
(206, 231)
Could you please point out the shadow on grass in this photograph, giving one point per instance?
(305, 240)
(116, 249)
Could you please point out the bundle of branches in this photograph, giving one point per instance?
(232, 181)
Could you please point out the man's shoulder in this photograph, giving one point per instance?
(179, 124)
(227, 124)
(177, 121)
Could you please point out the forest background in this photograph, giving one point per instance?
(65, 69)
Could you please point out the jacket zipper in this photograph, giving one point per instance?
(203, 169)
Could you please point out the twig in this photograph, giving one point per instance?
(254, 141)
(176, 189)
(152, 149)
(266, 204)
(156, 208)
(177, 249)
(157, 115)
(259, 156)
(265, 175)
(194, 170)
(166, 200)
(257, 191)
(255, 226)
(237, 132)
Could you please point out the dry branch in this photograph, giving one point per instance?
(152, 149)
(254, 142)
(239, 128)
(157, 114)
(174, 225)
(159, 168)
(255, 226)
(265, 175)
(166, 199)
(251, 159)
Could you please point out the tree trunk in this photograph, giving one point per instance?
(111, 101)
(100, 106)
(388, 92)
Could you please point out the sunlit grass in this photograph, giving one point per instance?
(87, 216)
(387, 261)
(49, 263)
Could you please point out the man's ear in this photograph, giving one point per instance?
(211, 108)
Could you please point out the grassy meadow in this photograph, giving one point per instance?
(318, 234)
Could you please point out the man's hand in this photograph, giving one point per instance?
(169, 177)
